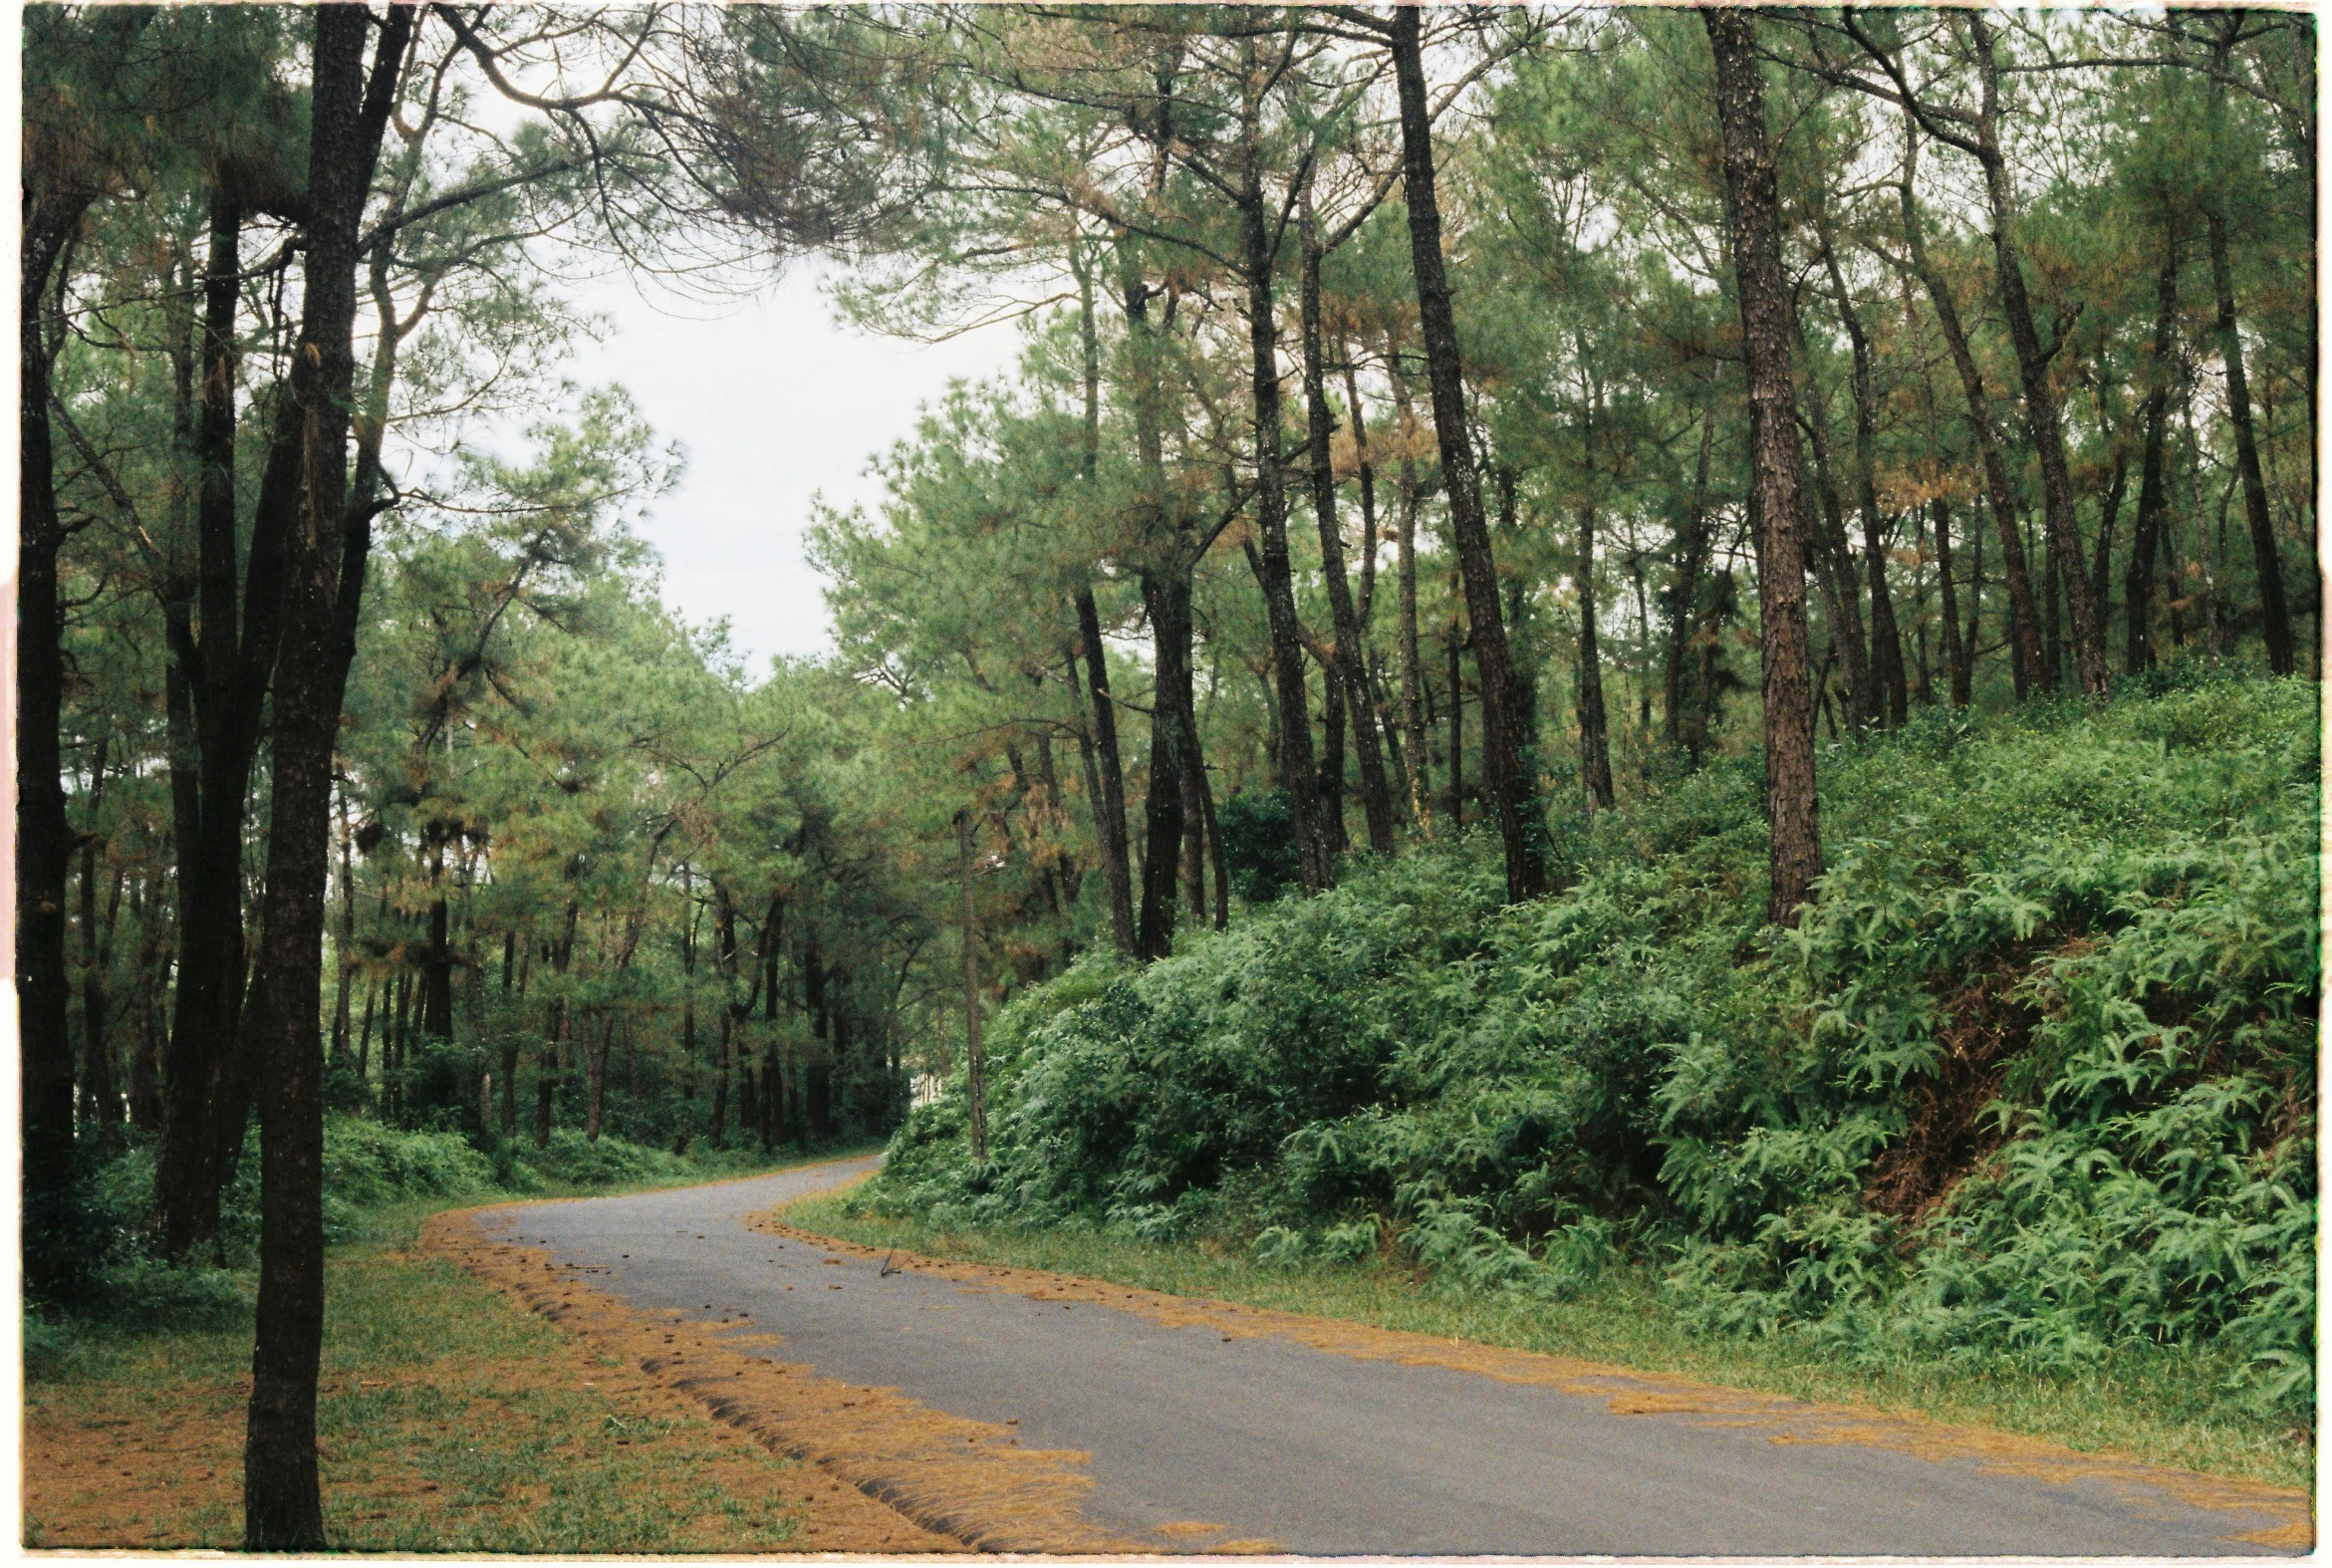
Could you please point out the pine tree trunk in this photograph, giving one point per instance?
(1166, 594)
(1752, 219)
(323, 579)
(2153, 481)
(1505, 786)
(1109, 806)
(1274, 572)
(2043, 419)
(1413, 680)
(2023, 620)
(1886, 673)
(1349, 668)
(1685, 594)
(1957, 650)
(2274, 613)
(1594, 750)
(44, 835)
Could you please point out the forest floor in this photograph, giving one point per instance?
(2154, 1406)
(449, 1417)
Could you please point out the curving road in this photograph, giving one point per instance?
(1320, 1453)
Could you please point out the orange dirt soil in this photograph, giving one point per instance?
(1781, 1418)
(107, 1464)
(943, 1482)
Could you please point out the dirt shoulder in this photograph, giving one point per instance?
(923, 1481)
(447, 1423)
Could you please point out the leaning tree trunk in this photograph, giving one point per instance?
(1504, 784)
(1887, 672)
(2043, 416)
(1752, 218)
(2023, 622)
(324, 582)
(2274, 613)
(1274, 574)
(1375, 796)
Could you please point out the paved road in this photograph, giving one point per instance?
(1321, 1452)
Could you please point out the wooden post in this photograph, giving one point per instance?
(977, 1065)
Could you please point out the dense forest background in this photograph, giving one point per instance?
(1577, 630)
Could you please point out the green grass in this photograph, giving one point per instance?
(447, 1421)
(2157, 1405)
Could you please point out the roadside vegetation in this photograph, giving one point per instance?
(2018, 1125)
(448, 1418)
(1625, 643)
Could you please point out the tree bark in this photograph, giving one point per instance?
(1413, 705)
(1276, 574)
(1886, 673)
(1685, 594)
(53, 1254)
(1358, 700)
(2274, 613)
(1955, 650)
(2043, 419)
(1833, 561)
(1752, 218)
(323, 581)
(2023, 620)
(2152, 483)
(1595, 752)
(1504, 783)
(975, 1060)
(1166, 596)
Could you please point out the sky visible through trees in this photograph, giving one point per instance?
(1380, 434)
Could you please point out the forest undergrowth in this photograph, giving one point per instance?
(379, 1183)
(2028, 1096)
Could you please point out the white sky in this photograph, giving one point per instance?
(774, 402)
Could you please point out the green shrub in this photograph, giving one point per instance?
(2034, 1080)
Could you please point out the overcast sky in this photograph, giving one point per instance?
(774, 402)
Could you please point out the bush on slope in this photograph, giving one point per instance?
(2034, 1078)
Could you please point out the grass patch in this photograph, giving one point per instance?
(2162, 1405)
(448, 1420)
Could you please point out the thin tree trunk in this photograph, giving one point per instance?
(1957, 650)
(1752, 218)
(53, 1254)
(1274, 572)
(2043, 417)
(1595, 752)
(1685, 594)
(1413, 706)
(1352, 671)
(2023, 620)
(1504, 783)
(323, 579)
(1834, 563)
(975, 1060)
(2152, 483)
(1166, 594)
(2275, 614)
(1886, 674)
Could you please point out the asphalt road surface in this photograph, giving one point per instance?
(1320, 1453)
